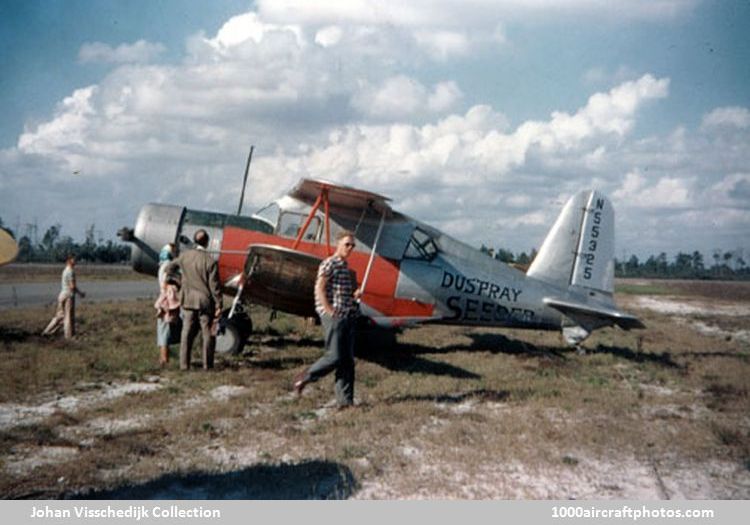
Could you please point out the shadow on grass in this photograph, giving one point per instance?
(285, 341)
(383, 349)
(454, 399)
(709, 355)
(277, 363)
(404, 358)
(309, 480)
(17, 335)
(500, 344)
(663, 359)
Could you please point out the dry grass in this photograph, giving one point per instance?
(36, 272)
(449, 412)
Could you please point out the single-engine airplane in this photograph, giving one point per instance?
(408, 271)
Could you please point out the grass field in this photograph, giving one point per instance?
(23, 273)
(449, 412)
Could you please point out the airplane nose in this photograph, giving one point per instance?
(155, 226)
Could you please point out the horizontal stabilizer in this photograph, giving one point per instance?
(574, 309)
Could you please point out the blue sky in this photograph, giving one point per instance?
(40, 40)
(480, 117)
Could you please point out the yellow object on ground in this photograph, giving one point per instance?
(8, 247)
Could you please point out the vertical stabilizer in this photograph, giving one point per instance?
(579, 249)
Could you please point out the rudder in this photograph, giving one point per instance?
(579, 249)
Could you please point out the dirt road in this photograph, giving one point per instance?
(23, 295)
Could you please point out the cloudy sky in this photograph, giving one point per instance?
(480, 117)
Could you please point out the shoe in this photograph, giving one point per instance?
(344, 408)
(300, 382)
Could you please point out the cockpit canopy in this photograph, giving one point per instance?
(401, 238)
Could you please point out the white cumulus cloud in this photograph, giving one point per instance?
(400, 97)
(666, 192)
(328, 36)
(732, 117)
(346, 91)
(137, 52)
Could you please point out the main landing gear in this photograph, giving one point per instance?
(233, 333)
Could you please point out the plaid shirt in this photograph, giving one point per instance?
(339, 288)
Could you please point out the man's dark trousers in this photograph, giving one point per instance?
(339, 342)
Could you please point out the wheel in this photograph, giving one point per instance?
(233, 334)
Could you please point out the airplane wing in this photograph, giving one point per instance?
(308, 190)
(281, 278)
(613, 316)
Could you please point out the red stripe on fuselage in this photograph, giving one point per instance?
(381, 285)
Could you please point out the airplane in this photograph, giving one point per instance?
(409, 272)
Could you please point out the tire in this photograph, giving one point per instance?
(232, 339)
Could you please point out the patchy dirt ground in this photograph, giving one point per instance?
(449, 413)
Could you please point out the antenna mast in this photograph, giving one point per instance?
(244, 181)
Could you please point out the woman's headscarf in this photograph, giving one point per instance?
(165, 254)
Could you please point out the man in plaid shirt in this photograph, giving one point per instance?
(335, 302)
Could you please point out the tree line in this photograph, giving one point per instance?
(55, 247)
(722, 264)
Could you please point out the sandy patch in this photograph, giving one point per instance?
(24, 459)
(111, 427)
(587, 478)
(233, 458)
(14, 414)
(715, 331)
(656, 390)
(672, 306)
(460, 408)
(226, 392)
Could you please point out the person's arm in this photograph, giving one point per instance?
(320, 293)
(357, 294)
(215, 287)
(73, 288)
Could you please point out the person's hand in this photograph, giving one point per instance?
(357, 294)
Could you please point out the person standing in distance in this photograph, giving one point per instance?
(66, 301)
(200, 298)
(335, 303)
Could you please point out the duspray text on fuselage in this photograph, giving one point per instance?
(480, 300)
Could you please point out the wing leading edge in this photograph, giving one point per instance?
(308, 191)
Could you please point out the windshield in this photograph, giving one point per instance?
(269, 214)
(291, 223)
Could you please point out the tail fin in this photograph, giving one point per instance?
(579, 249)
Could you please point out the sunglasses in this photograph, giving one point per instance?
(349, 244)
